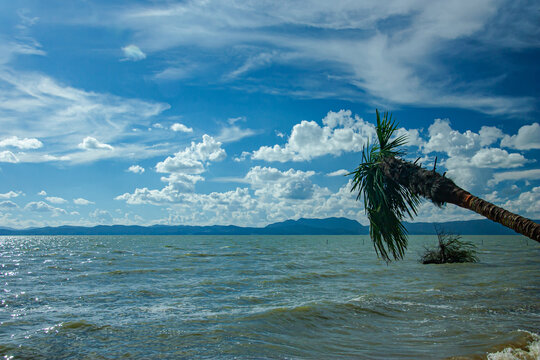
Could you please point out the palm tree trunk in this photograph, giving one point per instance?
(440, 190)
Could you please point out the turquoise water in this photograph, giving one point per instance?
(299, 297)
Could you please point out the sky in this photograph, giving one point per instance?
(253, 112)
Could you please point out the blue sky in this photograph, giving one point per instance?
(248, 113)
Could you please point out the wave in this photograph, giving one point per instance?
(526, 347)
(307, 277)
(142, 271)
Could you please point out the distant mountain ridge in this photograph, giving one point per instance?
(328, 226)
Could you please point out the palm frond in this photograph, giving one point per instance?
(386, 202)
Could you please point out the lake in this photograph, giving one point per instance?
(264, 297)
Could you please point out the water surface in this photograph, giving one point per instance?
(298, 297)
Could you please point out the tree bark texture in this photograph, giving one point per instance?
(440, 190)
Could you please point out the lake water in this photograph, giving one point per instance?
(285, 297)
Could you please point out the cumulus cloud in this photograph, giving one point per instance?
(133, 53)
(42, 193)
(7, 204)
(8, 157)
(442, 138)
(273, 195)
(102, 216)
(470, 162)
(81, 201)
(242, 206)
(150, 196)
(527, 138)
(136, 169)
(90, 143)
(527, 204)
(56, 200)
(497, 158)
(26, 143)
(43, 207)
(340, 172)
(181, 128)
(489, 135)
(191, 160)
(183, 169)
(290, 184)
(341, 132)
(412, 135)
(10, 195)
(527, 175)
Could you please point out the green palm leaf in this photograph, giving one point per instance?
(386, 201)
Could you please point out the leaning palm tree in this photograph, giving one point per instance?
(392, 188)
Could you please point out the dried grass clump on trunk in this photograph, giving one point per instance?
(451, 249)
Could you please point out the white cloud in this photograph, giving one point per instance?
(527, 138)
(8, 157)
(181, 183)
(176, 70)
(133, 53)
(29, 100)
(7, 204)
(136, 169)
(81, 201)
(255, 62)
(291, 184)
(410, 44)
(184, 169)
(340, 133)
(442, 138)
(17, 142)
(90, 143)
(341, 172)
(470, 163)
(102, 216)
(469, 177)
(533, 174)
(56, 200)
(412, 135)
(26, 20)
(9, 49)
(191, 159)
(181, 128)
(497, 158)
(157, 126)
(234, 120)
(527, 204)
(42, 193)
(147, 196)
(489, 135)
(274, 195)
(10, 195)
(234, 133)
(40, 206)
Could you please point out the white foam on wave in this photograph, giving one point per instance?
(531, 352)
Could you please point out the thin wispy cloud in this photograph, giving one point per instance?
(133, 53)
(395, 52)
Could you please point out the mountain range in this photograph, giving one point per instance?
(328, 226)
